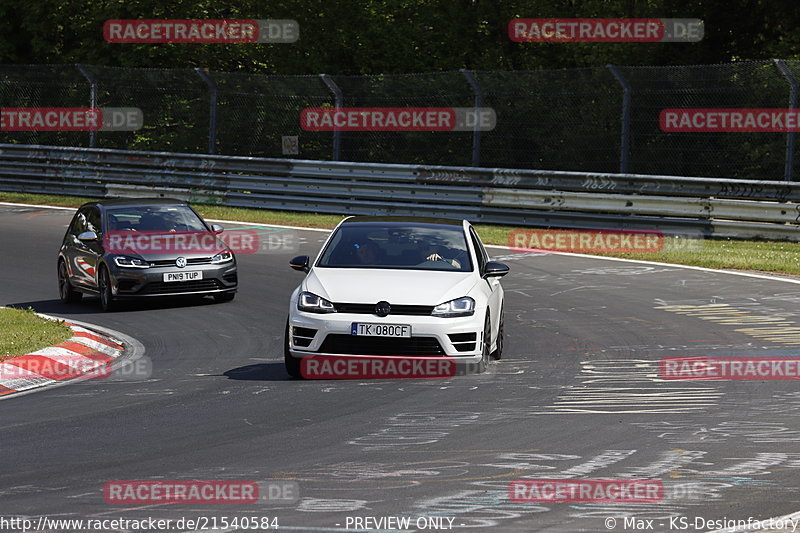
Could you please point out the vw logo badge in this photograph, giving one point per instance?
(383, 308)
(180, 262)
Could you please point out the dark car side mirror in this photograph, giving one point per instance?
(493, 269)
(300, 263)
(87, 236)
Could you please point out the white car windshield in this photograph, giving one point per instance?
(398, 246)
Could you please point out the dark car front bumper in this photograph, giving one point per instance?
(149, 282)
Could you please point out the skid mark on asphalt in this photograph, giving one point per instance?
(477, 481)
(330, 505)
(689, 478)
(629, 386)
(757, 432)
(415, 429)
(773, 327)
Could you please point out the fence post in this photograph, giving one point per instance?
(788, 166)
(338, 100)
(92, 99)
(212, 111)
(625, 141)
(476, 131)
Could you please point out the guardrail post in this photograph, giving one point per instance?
(338, 101)
(476, 131)
(788, 166)
(625, 141)
(212, 110)
(92, 99)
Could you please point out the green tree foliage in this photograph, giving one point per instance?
(352, 37)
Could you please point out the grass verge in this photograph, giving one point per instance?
(24, 332)
(755, 256)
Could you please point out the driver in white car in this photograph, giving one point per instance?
(367, 252)
(431, 252)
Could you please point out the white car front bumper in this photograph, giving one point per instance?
(330, 334)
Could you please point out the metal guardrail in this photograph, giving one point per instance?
(675, 205)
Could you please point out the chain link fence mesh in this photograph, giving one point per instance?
(553, 119)
(794, 70)
(735, 85)
(174, 102)
(567, 119)
(43, 86)
(255, 112)
(443, 89)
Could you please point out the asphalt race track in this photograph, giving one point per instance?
(577, 395)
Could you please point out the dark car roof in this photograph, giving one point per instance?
(403, 220)
(118, 202)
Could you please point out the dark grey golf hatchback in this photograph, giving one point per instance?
(143, 247)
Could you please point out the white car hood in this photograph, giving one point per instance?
(399, 287)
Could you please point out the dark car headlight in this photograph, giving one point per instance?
(464, 306)
(310, 302)
(125, 261)
(222, 257)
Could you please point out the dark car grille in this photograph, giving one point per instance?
(160, 287)
(168, 262)
(369, 309)
(355, 345)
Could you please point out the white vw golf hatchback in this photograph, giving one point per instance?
(400, 286)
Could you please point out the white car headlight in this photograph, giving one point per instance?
(464, 306)
(130, 262)
(222, 257)
(308, 301)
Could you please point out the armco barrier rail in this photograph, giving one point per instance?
(674, 205)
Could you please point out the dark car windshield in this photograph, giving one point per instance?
(154, 218)
(398, 246)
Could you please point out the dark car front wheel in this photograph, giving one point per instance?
(104, 286)
(66, 292)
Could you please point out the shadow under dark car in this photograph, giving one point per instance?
(91, 304)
